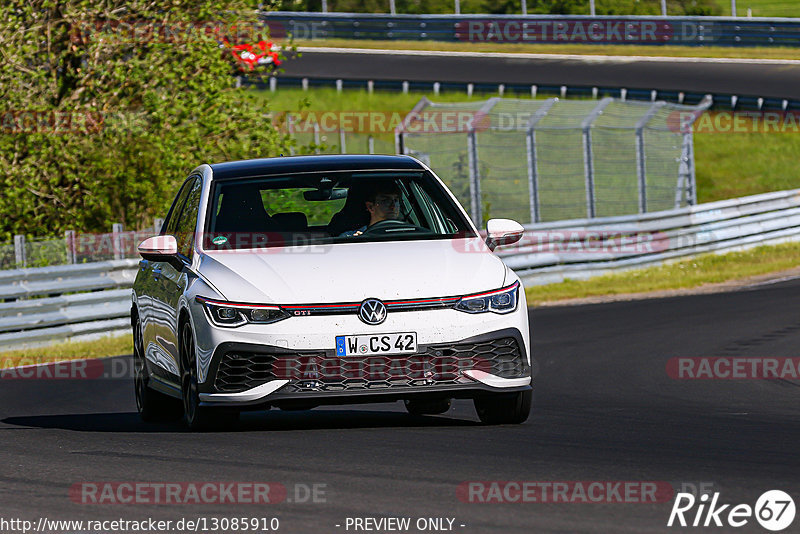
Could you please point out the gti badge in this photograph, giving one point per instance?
(372, 311)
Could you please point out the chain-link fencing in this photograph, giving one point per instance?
(548, 160)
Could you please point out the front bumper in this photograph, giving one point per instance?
(255, 375)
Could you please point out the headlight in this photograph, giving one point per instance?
(232, 314)
(503, 300)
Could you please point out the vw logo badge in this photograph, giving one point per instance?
(372, 311)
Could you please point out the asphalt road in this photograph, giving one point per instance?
(605, 410)
(768, 79)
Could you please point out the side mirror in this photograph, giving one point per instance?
(160, 248)
(501, 232)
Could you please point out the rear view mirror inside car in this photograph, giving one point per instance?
(325, 194)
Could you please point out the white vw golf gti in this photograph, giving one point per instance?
(294, 282)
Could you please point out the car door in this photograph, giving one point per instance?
(156, 317)
(174, 279)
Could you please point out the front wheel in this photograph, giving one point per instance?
(152, 405)
(504, 408)
(198, 417)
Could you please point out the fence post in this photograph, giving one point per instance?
(316, 137)
(116, 236)
(290, 125)
(533, 170)
(20, 252)
(69, 241)
(588, 160)
(692, 177)
(371, 145)
(476, 205)
(342, 142)
(687, 185)
(641, 167)
(474, 180)
(399, 131)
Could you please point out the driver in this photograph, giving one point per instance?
(382, 201)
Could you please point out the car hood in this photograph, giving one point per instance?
(351, 272)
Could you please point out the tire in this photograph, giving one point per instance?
(152, 405)
(504, 408)
(427, 407)
(198, 418)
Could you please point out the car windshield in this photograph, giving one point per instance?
(334, 207)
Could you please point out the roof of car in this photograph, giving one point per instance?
(318, 163)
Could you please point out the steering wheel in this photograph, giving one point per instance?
(387, 225)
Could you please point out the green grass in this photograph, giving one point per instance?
(99, 348)
(764, 8)
(740, 164)
(581, 49)
(691, 273)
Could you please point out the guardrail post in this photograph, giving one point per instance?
(20, 252)
(69, 242)
(116, 236)
(641, 166)
(588, 160)
(533, 169)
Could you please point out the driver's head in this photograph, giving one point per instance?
(383, 202)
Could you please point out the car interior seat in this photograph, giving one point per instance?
(242, 210)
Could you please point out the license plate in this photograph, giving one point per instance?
(365, 345)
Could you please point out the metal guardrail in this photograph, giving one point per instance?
(559, 29)
(48, 304)
(583, 248)
(720, 101)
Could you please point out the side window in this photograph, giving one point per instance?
(187, 221)
(175, 211)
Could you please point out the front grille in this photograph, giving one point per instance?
(317, 371)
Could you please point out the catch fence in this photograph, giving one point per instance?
(548, 160)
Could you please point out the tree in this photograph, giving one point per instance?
(108, 104)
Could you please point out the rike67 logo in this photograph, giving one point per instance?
(774, 510)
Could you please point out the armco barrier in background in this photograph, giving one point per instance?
(686, 31)
(93, 298)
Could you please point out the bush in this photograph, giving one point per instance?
(101, 125)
